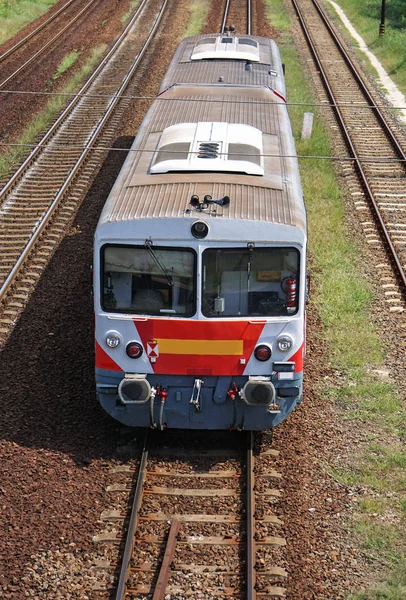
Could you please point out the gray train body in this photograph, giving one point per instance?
(200, 251)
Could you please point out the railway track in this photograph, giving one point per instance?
(23, 41)
(44, 35)
(238, 13)
(377, 154)
(39, 200)
(202, 523)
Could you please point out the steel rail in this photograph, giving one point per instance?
(357, 161)
(248, 17)
(52, 130)
(115, 99)
(251, 592)
(164, 579)
(225, 15)
(129, 544)
(47, 45)
(18, 45)
(381, 117)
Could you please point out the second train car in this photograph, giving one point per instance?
(200, 251)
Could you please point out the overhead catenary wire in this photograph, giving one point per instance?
(209, 100)
(60, 149)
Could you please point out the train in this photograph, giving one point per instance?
(200, 250)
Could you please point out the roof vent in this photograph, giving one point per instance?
(209, 146)
(208, 150)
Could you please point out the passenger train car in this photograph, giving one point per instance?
(200, 251)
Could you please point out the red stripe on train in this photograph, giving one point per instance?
(195, 364)
(103, 360)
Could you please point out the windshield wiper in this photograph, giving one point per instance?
(148, 246)
(250, 247)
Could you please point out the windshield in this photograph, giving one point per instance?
(250, 282)
(148, 280)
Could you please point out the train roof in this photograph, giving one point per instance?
(214, 58)
(224, 140)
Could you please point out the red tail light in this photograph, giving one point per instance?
(134, 350)
(262, 352)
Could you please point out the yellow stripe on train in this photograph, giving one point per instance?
(209, 347)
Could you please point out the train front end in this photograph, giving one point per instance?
(196, 328)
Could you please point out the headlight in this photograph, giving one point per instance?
(285, 343)
(199, 229)
(113, 339)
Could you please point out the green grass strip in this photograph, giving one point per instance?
(343, 296)
(67, 62)
(277, 16)
(15, 14)
(391, 48)
(198, 15)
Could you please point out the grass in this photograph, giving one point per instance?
(15, 14)
(67, 62)
(372, 506)
(395, 589)
(389, 49)
(371, 398)
(41, 121)
(378, 536)
(133, 6)
(198, 16)
(380, 470)
(343, 297)
(277, 17)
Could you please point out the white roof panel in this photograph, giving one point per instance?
(226, 47)
(209, 146)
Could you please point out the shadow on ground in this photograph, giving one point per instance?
(47, 368)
